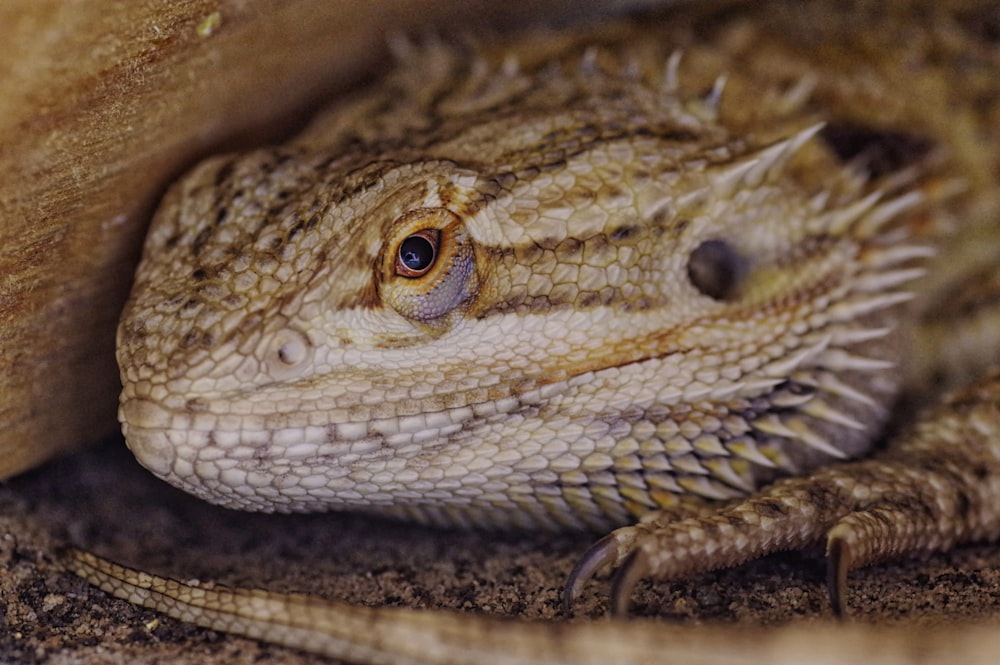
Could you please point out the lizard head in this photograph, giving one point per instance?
(563, 316)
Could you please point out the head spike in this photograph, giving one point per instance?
(896, 254)
(850, 310)
(840, 360)
(708, 488)
(773, 425)
(804, 434)
(774, 157)
(829, 383)
(888, 211)
(693, 198)
(671, 73)
(819, 201)
(882, 281)
(762, 385)
(849, 336)
(746, 448)
(820, 410)
(723, 470)
(729, 181)
(783, 367)
(795, 98)
(752, 169)
(797, 430)
(714, 97)
(839, 221)
(784, 399)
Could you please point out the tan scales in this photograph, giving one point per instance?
(594, 276)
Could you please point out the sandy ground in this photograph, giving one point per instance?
(101, 499)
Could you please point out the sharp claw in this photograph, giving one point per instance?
(600, 554)
(838, 562)
(633, 569)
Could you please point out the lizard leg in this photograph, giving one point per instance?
(876, 534)
(613, 549)
(937, 485)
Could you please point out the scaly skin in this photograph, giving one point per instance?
(639, 300)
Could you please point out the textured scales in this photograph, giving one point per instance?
(559, 364)
(581, 279)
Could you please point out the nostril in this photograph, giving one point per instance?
(288, 352)
(293, 351)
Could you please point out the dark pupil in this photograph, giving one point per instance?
(416, 253)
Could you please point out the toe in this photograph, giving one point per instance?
(608, 551)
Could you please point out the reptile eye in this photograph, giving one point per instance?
(417, 253)
(716, 269)
(428, 269)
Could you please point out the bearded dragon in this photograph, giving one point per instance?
(728, 271)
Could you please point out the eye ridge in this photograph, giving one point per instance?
(418, 253)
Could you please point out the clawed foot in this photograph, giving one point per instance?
(630, 551)
(937, 488)
(617, 549)
(623, 550)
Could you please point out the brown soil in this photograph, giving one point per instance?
(101, 499)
